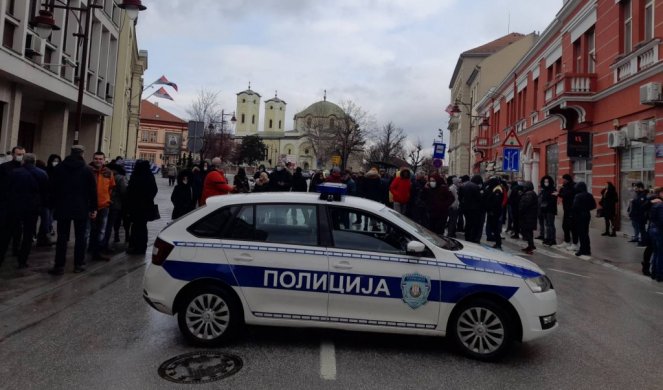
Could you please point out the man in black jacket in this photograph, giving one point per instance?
(549, 210)
(471, 204)
(8, 228)
(583, 204)
(75, 200)
(567, 193)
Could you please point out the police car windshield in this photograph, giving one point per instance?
(435, 239)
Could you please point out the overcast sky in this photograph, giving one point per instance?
(394, 58)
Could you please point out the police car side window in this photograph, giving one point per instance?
(354, 229)
(295, 224)
(242, 226)
(212, 225)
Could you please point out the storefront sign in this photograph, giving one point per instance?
(579, 144)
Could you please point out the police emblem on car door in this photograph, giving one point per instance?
(415, 289)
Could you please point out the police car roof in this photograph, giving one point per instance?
(292, 197)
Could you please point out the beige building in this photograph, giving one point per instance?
(121, 129)
(295, 145)
(162, 136)
(476, 72)
(39, 78)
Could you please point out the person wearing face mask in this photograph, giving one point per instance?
(8, 231)
(280, 180)
(183, 198)
(437, 198)
(548, 210)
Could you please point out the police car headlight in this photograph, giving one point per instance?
(539, 284)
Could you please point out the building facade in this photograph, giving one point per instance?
(121, 129)
(585, 100)
(477, 70)
(297, 145)
(162, 137)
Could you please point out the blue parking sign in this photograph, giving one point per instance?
(439, 150)
(511, 161)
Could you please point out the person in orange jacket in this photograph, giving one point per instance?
(215, 182)
(105, 183)
(400, 190)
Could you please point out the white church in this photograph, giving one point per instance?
(291, 145)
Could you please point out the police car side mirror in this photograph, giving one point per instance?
(415, 247)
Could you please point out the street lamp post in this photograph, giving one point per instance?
(455, 110)
(44, 25)
(211, 127)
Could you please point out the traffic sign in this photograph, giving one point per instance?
(511, 160)
(512, 141)
(437, 163)
(439, 150)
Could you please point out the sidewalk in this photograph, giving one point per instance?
(18, 285)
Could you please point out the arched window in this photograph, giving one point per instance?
(279, 124)
(331, 122)
(309, 121)
(253, 119)
(271, 107)
(243, 118)
(289, 151)
(270, 123)
(243, 100)
(305, 151)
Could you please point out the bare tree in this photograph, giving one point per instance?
(319, 136)
(415, 156)
(389, 144)
(350, 132)
(217, 141)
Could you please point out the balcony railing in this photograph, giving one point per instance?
(571, 84)
(638, 60)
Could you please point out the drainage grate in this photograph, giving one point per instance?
(200, 367)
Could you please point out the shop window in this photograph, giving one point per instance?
(582, 171)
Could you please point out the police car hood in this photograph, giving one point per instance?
(487, 258)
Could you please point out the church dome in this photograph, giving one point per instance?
(322, 109)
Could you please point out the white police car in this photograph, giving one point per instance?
(294, 259)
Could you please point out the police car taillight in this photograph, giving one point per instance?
(160, 251)
(332, 191)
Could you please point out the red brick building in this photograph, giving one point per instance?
(593, 82)
(162, 136)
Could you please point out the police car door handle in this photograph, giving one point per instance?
(343, 265)
(243, 257)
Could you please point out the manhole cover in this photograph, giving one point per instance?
(200, 367)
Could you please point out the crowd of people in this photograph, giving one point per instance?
(99, 199)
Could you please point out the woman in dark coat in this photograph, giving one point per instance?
(140, 205)
(183, 198)
(528, 211)
(583, 204)
(608, 204)
(315, 181)
(46, 225)
(241, 182)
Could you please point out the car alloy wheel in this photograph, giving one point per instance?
(482, 330)
(208, 316)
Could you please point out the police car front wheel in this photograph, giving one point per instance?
(482, 330)
(208, 316)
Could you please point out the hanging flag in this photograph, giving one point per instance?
(450, 109)
(164, 81)
(161, 93)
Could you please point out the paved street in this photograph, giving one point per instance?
(94, 330)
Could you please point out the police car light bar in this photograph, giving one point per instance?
(332, 191)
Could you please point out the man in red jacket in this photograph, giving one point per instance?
(215, 182)
(400, 189)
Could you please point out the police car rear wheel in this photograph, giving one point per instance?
(482, 330)
(208, 316)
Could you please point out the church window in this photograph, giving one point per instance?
(279, 124)
(331, 122)
(243, 118)
(309, 121)
(280, 108)
(243, 100)
(253, 119)
(254, 101)
(289, 151)
(271, 107)
(305, 151)
(270, 123)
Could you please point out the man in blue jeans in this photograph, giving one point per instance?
(75, 200)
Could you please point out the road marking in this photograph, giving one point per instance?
(549, 254)
(569, 273)
(327, 361)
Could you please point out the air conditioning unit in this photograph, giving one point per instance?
(650, 93)
(616, 139)
(639, 131)
(35, 46)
